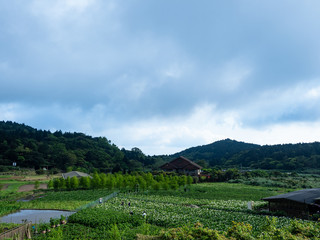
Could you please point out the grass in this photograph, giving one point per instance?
(218, 204)
(7, 226)
(225, 191)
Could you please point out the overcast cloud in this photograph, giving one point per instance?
(166, 75)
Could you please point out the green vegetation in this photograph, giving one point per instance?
(76, 151)
(67, 200)
(11, 191)
(102, 218)
(135, 181)
(221, 208)
(7, 226)
(27, 147)
(295, 230)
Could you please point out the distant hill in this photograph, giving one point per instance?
(33, 148)
(217, 153)
(231, 153)
(283, 157)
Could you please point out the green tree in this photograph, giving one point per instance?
(50, 184)
(62, 183)
(56, 184)
(96, 181)
(68, 183)
(85, 182)
(36, 184)
(74, 182)
(189, 180)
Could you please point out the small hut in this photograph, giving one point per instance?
(182, 165)
(301, 204)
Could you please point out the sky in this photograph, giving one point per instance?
(165, 75)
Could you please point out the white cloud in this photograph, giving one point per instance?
(8, 111)
(59, 9)
(313, 93)
(204, 125)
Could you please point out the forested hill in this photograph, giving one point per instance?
(285, 156)
(216, 154)
(32, 148)
(230, 153)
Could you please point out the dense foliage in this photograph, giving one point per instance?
(221, 208)
(101, 218)
(239, 230)
(215, 154)
(33, 148)
(135, 181)
(230, 153)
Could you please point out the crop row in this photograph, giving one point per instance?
(68, 200)
(232, 205)
(173, 215)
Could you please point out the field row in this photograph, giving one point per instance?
(167, 214)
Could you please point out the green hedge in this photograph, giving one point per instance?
(106, 218)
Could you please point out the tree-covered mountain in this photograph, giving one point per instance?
(231, 153)
(217, 153)
(283, 156)
(32, 148)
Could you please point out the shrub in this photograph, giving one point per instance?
(240, 231)
(195, 232)
(99, 217)
(40, 171)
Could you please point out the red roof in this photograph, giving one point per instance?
(181, 163)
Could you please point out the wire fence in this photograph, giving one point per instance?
(18, 233)
(99, 201)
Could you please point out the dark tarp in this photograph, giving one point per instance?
(308, 196)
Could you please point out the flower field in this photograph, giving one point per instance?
(177, 211)
(221, 208)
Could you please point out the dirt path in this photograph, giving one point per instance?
(30, 187)
(4, 186)
(12, 178)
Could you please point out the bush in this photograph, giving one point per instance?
(241, 231)
(39, 171)
(195, 232)
(99, 217)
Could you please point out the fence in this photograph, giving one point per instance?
(18, 233)
(94, 203)
(24, 231)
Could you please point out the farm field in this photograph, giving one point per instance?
(215, 205)
(209, 208)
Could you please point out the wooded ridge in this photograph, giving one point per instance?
(33, 148)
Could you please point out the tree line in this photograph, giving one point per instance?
(58, 151)
(31, 148)
(135, 181)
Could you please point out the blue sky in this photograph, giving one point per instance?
(165, 75)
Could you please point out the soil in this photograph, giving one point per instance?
(4, 186)
(30, 187)
(12, 178)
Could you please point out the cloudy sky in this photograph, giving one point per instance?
(164, 75)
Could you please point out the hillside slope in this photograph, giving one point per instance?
(32, 148)
(216, 153)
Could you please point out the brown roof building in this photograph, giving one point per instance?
(182, 165)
